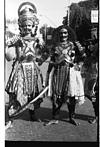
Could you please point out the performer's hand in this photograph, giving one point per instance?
(76, 67)
(71, 65)
(39, 60)
(39, 63)
(22, 58)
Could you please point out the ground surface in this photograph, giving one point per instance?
(25, 130)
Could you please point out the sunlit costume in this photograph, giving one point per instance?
(25, 81)
(64, 76)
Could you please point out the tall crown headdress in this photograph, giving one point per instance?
(27, 11)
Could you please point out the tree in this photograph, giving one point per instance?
(80, 21)
(80, 18)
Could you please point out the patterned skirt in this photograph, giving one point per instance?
(24, 82)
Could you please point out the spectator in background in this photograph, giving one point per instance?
(91, 85)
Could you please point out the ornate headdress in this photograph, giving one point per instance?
(27, 12)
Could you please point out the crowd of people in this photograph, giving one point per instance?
(63, 77)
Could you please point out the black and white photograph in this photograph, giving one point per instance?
(51, 71)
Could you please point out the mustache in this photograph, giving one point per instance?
(63, 36)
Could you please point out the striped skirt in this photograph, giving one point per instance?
(66, 82)
(59, 81)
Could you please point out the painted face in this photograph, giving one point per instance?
(63, 34)
(27, 27)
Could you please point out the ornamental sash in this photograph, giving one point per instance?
(28, 69)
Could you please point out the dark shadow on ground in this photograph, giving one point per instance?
(23, 116)
(45, 114)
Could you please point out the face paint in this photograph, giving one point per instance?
(27, 27)
(63, 34)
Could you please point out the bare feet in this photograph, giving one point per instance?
(93, 121)
(51, 122)
(74, 122)
(8, 125)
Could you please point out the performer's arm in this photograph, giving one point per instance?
(12, 41)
